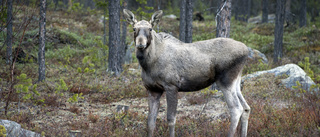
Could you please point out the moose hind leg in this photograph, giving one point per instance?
(245, 115)
(234, 105)
(154, 103)
(172, 102)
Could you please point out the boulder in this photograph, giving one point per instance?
(171, 16)
(122, 108)
(258, 19)
(256, 55)
(14, 129)
(294, 73)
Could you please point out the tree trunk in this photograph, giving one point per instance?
(104, 28)
(9, 32)
(303, 13)
(189, 20)
(242, 9)
(27, 2)
(278, 31)
(90, 4)
(182, 27)
(104, 37)
(70, 3)
(288, 12)
(42, 36)
(159, 4)
(248, 12)
(115, 57)
(186, 11)
(223, 19)
(65, 2)
(264, 11)
(56, 4)
(124, 31)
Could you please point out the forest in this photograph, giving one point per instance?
(69, 67)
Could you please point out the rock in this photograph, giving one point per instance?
(75, 133)
(14, 129)
(171, 16)
(258, 19)
(256, 55)
(122, 108)
(294, 73)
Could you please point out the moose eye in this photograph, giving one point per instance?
(134, 29)
(150, 29)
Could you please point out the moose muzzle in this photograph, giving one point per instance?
(141, 42)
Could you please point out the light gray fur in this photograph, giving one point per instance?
(169, 65)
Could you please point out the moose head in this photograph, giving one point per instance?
(142, 29)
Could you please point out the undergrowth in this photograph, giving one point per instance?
(76, 62)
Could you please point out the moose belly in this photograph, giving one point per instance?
(194, 84)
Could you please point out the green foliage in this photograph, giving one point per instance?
(50, 4)
(75, 98)
(99, 54)
(61, 4)
(23, 86)
(73, 38)
(207, 91)
(203, 36)
(87, 65)
(3, 15)
(79, 61)
(299, 87)
(3, 131)
(76, 7)
(61, 87)
(255, 66)
(63, 54)
(102, 4)
(142, 10)
(306, 66)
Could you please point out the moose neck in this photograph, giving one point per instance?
(148, 56)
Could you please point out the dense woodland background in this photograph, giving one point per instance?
(61, 59)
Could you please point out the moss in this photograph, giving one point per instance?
(3, 131)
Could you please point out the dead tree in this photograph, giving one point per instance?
(223, 19)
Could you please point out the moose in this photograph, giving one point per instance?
(171, 66)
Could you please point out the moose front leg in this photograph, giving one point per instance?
(172, 102)
(154, 103)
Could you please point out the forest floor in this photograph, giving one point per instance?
(76, 63)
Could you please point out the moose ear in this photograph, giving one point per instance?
(155, 19)
(129, 16)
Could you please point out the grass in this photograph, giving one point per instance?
(276, 110)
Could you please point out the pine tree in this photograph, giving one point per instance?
(115, 56)
(278, 31)
(42, 37)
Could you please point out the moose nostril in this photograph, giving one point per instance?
(141, 46)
